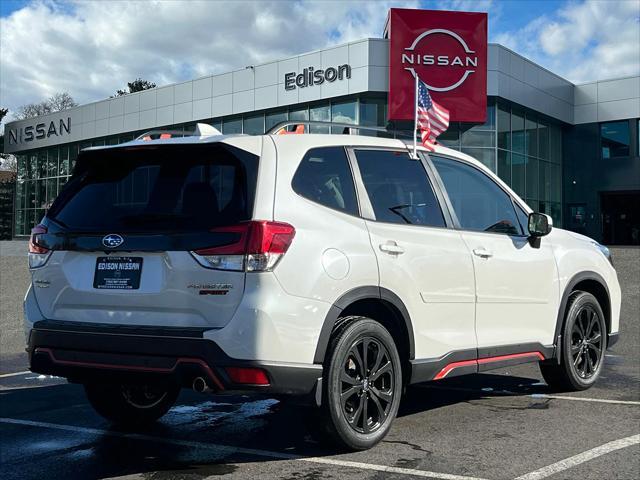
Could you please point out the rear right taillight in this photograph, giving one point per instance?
(38, 255)
(259, 247)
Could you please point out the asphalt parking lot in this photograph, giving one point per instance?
(499, 425)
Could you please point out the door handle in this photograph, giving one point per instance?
(392, 248)
(481, 252)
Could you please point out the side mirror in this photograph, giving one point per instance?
(540, 224)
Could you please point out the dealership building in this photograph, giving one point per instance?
(571, 151)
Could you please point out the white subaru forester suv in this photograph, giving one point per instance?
(333, 267)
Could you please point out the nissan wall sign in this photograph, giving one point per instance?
(448, 51)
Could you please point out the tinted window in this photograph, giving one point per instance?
(172, 188)
(398, 188)
(324, 177)
(615, 139)
(479, 203)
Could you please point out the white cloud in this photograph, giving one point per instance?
(583, 41)
(91, 49)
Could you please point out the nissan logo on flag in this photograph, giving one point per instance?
(112, 240)
(445, 50)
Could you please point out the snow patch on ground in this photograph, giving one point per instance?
(208, 413)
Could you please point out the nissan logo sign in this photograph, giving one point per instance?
(448, 52)
(40, 131)
(112, 240)
(467, 59)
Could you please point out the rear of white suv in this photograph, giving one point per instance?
(332, 267)
(150, 251)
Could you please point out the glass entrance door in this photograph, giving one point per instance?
(620, 218)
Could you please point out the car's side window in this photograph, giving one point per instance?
(324, 176)
(479, 203)
(398, 188)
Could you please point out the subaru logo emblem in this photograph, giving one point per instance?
(112, 240)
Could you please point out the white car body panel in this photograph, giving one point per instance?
(576, 254)
(332, 247)
(434, 278)
(271, 325)
(64, 290)
(516, 288)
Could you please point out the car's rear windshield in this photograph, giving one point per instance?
(158, 188)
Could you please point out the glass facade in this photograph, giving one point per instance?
(523, 149)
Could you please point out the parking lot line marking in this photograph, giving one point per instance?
(585, 399)
(16, 374)
(581, 458)
(245, 451)
(384, 468)
(507, 393)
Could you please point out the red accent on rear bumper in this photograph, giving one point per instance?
(248, 376)
(212, 376)
(481, 361)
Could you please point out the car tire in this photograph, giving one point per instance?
(361, 393)
(584, 342)
(131, 405)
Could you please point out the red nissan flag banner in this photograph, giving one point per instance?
(448, 51)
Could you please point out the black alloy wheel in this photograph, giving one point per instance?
(582, 346)
(587, 343)
(143, 396)
(132, 404)
(362, 384)
(367, 381)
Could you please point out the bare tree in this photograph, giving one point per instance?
(55, 103)
(7, 161)
(61, 101)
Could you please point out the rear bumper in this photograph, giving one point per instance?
(82, 353)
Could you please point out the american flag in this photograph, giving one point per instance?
(433, 119)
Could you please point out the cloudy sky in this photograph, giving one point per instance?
(92, 48)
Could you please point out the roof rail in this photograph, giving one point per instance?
(297, 127)
(201, 130)
(348, 128)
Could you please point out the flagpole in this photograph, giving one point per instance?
(415, 119)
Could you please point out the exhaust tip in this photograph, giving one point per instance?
(200, 385)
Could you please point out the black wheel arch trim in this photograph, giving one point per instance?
(352, 296)
(575, 280)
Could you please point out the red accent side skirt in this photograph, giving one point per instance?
(212, 376)
(481, 361)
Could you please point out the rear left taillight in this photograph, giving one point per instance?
(38, 255)
(259, 248)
